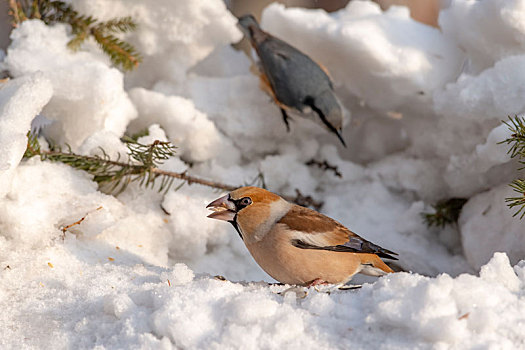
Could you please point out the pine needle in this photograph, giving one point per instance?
(119, 51)
(519, 202)
(115, 175)
(117, 25)
(446, 212)
(141, 166)
(516, 126)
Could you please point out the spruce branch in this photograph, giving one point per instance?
(135, 136)
(519, 187)
(120, 52)
(33, 146)
(141, 166)
(516, 126)
(117, 25)
(446, 212)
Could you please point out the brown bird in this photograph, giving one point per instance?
(297, 245)
(294, 81)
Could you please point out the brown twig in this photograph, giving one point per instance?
(324, 165)
(78, 222)
(192, 179)
(305, 201)
(299, 199)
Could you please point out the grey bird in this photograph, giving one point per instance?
(292, 79)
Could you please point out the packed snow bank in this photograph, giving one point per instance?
(173, 35)
(20, 100)
(87, 94)
(83, 293)
(487, 30)
(487, 225)
(386, 59)
(134, 270)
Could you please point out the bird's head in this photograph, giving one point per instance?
(251, 210)
(248, 25)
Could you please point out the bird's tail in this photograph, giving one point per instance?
(372, 265)
(309, 101)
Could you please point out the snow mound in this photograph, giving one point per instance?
(87, 94)
(386, 59)
(488, 31)
(487, 225)
(75, 296)
(20, 101)
(173, 35)
(80, 268)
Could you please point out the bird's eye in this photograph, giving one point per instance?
(245, 202)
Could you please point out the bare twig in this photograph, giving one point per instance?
(305, 201)
(324, 165)
(142, 166)
(192, 179)
(78, 222)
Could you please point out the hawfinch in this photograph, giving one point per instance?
(297, 245)
(294, 81)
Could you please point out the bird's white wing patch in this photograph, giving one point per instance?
(318, 239)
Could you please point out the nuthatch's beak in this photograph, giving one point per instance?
(224, 209)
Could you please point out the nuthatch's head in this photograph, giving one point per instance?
(248, 25)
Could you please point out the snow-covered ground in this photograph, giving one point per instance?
(426, 107)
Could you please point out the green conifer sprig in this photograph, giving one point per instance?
(141, 166)
(516, 126)
(516, 141)
(519, 202)
(446, 212)
(115, 175)
(120, 52)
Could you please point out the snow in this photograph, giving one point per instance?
(20, 100)
(88, 95)
(488, 31)
(487, 225)
(387, 58)
(81, 268)
(85, 300)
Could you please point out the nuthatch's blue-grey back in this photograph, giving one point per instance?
(293, 79)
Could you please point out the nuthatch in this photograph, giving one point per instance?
(294, 80)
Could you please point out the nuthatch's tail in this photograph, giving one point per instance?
(327, 110)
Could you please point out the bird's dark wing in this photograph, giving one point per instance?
(313, 230)
(292, 75)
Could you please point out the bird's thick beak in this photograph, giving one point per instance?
(224, 209)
